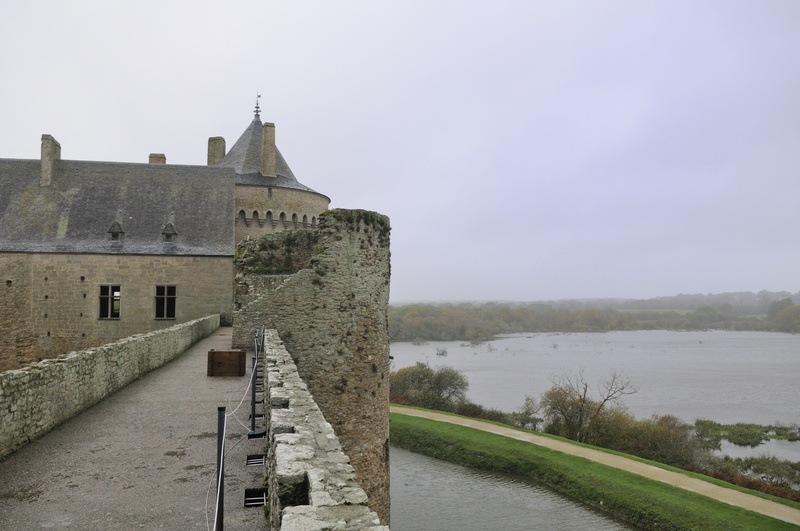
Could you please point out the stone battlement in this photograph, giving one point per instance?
(311, 482)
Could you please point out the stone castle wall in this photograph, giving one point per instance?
(38, 398)
(265, 210)
(310, 481)
(51, 305)
(332, 316)
(18, 344)
(251, 287)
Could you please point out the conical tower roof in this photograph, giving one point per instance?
(245, 155)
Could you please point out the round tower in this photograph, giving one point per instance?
(268, 196)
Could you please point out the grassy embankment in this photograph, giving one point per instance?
(645, 503)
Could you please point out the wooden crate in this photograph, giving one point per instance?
(226, 362)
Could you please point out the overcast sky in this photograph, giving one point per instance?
(523, 150)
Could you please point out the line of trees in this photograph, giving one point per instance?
(481, 322)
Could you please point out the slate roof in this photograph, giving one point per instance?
(75, 213)
(245, 158)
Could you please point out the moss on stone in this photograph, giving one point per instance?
(277, 254)
(357, 219)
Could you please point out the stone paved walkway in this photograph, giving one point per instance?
(143, 458)
(730, 496)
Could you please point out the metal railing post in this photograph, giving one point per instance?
(260, 347)
(253, 395)
(218, 519)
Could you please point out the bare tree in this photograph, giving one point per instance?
(568, 408)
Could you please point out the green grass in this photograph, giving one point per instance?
(628, 497)
(696, 475)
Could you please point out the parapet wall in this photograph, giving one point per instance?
(311, 484)
(332, 313)
(43, 395)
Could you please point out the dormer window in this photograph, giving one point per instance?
(115, 232)
(169, 233)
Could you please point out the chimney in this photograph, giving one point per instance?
(268, 150)
(158, 158)
(51, 152)
(216, 150)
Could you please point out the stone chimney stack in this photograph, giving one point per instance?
(51, 152)
(268, 150)
(216, 150)
(158, 158)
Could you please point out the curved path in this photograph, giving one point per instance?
(730, 496)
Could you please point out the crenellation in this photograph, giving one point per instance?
(312, 484)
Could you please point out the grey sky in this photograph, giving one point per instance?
(523, 150)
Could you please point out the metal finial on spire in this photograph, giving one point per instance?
(258, 109)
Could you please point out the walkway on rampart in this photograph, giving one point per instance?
(143, 458)
(730, 496)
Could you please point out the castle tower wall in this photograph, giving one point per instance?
(269, 198)
(333, 317)
(266, 210)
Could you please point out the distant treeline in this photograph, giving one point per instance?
(766, 311)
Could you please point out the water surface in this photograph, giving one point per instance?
(728, 377)
(428, 495)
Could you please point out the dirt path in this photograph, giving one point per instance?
(730, 496)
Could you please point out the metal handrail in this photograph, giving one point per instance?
(222, 421)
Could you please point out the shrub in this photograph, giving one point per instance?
(444, 388)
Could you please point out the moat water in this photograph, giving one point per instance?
(428, 495)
